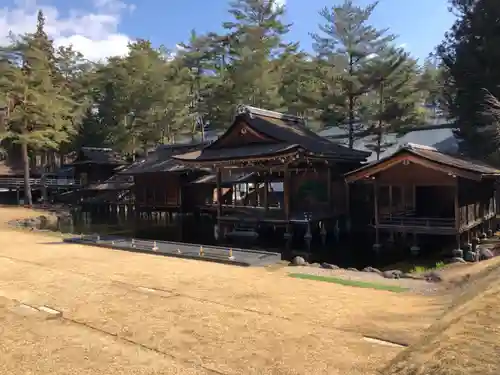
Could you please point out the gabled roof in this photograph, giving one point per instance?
(283, 134)
(459, 165)
(161, 159)
(119, 181)
(98, 155)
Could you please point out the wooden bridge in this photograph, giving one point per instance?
(54, 183)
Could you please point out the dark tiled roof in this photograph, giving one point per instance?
(433, 155)
(95, 155)
(286, 131)
(116, 182)
(161, 159)
(237, 177)
(250, 151)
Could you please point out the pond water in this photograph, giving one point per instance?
(355, 251)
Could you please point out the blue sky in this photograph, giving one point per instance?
(100, 27)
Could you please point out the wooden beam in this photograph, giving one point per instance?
(457, 206)
(286, 193)
(369, 171)
(375, 202)
(219, 194)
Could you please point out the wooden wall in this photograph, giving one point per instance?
(414, 174)
(157, 190)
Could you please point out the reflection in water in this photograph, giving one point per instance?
(199, 229)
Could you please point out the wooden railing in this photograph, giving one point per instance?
(49, 182)
(412, 221)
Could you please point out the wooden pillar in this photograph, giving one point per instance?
(218, 181)
(329, 187)
(266, 192)
(390, 201)
(457, 206)
(286, 193)
(375, 203)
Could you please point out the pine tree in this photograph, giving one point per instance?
(255, 39)
(470, 58)
(394, 106)
(345, 45)
(38, 109)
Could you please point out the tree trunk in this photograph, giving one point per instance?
(26, 163)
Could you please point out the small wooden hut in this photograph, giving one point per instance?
(270, 170)
(159, 180)
(95, 165)
(421, 191)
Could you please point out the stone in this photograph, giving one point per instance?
(411, 276)
(392, 274)
(457, 260)
(298, 261)
(353, 269)
(489, 233)
(329, 266)
(485, 254)
(315, 265)
(458, 253)
(470, 256)
(433, 277)
(467, 247)
(372, 270)
(482, 236)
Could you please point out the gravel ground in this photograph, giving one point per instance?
(415, 286)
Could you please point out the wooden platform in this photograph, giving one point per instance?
(234, 256)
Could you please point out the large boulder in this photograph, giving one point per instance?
(433, 277)
(485, 253)
(392, 274)
(298, 261)
(372, 270)
(457, 260)
(329, 266)
(471, 256)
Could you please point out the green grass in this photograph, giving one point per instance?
(355, 283)
(422, 269)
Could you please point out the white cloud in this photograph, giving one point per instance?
(92, 32)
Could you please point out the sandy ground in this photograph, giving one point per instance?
(126, 313)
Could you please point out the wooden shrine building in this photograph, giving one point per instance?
(271, 171)
(95, 165)
(421, 191)
(160, 181)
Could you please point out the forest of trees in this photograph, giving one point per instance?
(357, 77)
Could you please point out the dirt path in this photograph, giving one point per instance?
(126, 313)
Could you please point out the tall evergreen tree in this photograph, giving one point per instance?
(345, 44)
(38, 107)
(395, 105)
(255, 40)
(470, 58)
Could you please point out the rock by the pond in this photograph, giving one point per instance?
(458, 253)
(433, 277)
(470, 256)
(411, 276)
(329, 266)
(298, 261)
(372, 270)
(457, 260)
(467, 247)
(353, 269)
(315, 265)
(485, 254)
(392, 274)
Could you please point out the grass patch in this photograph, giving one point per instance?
(422, 269)
(355, 283)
